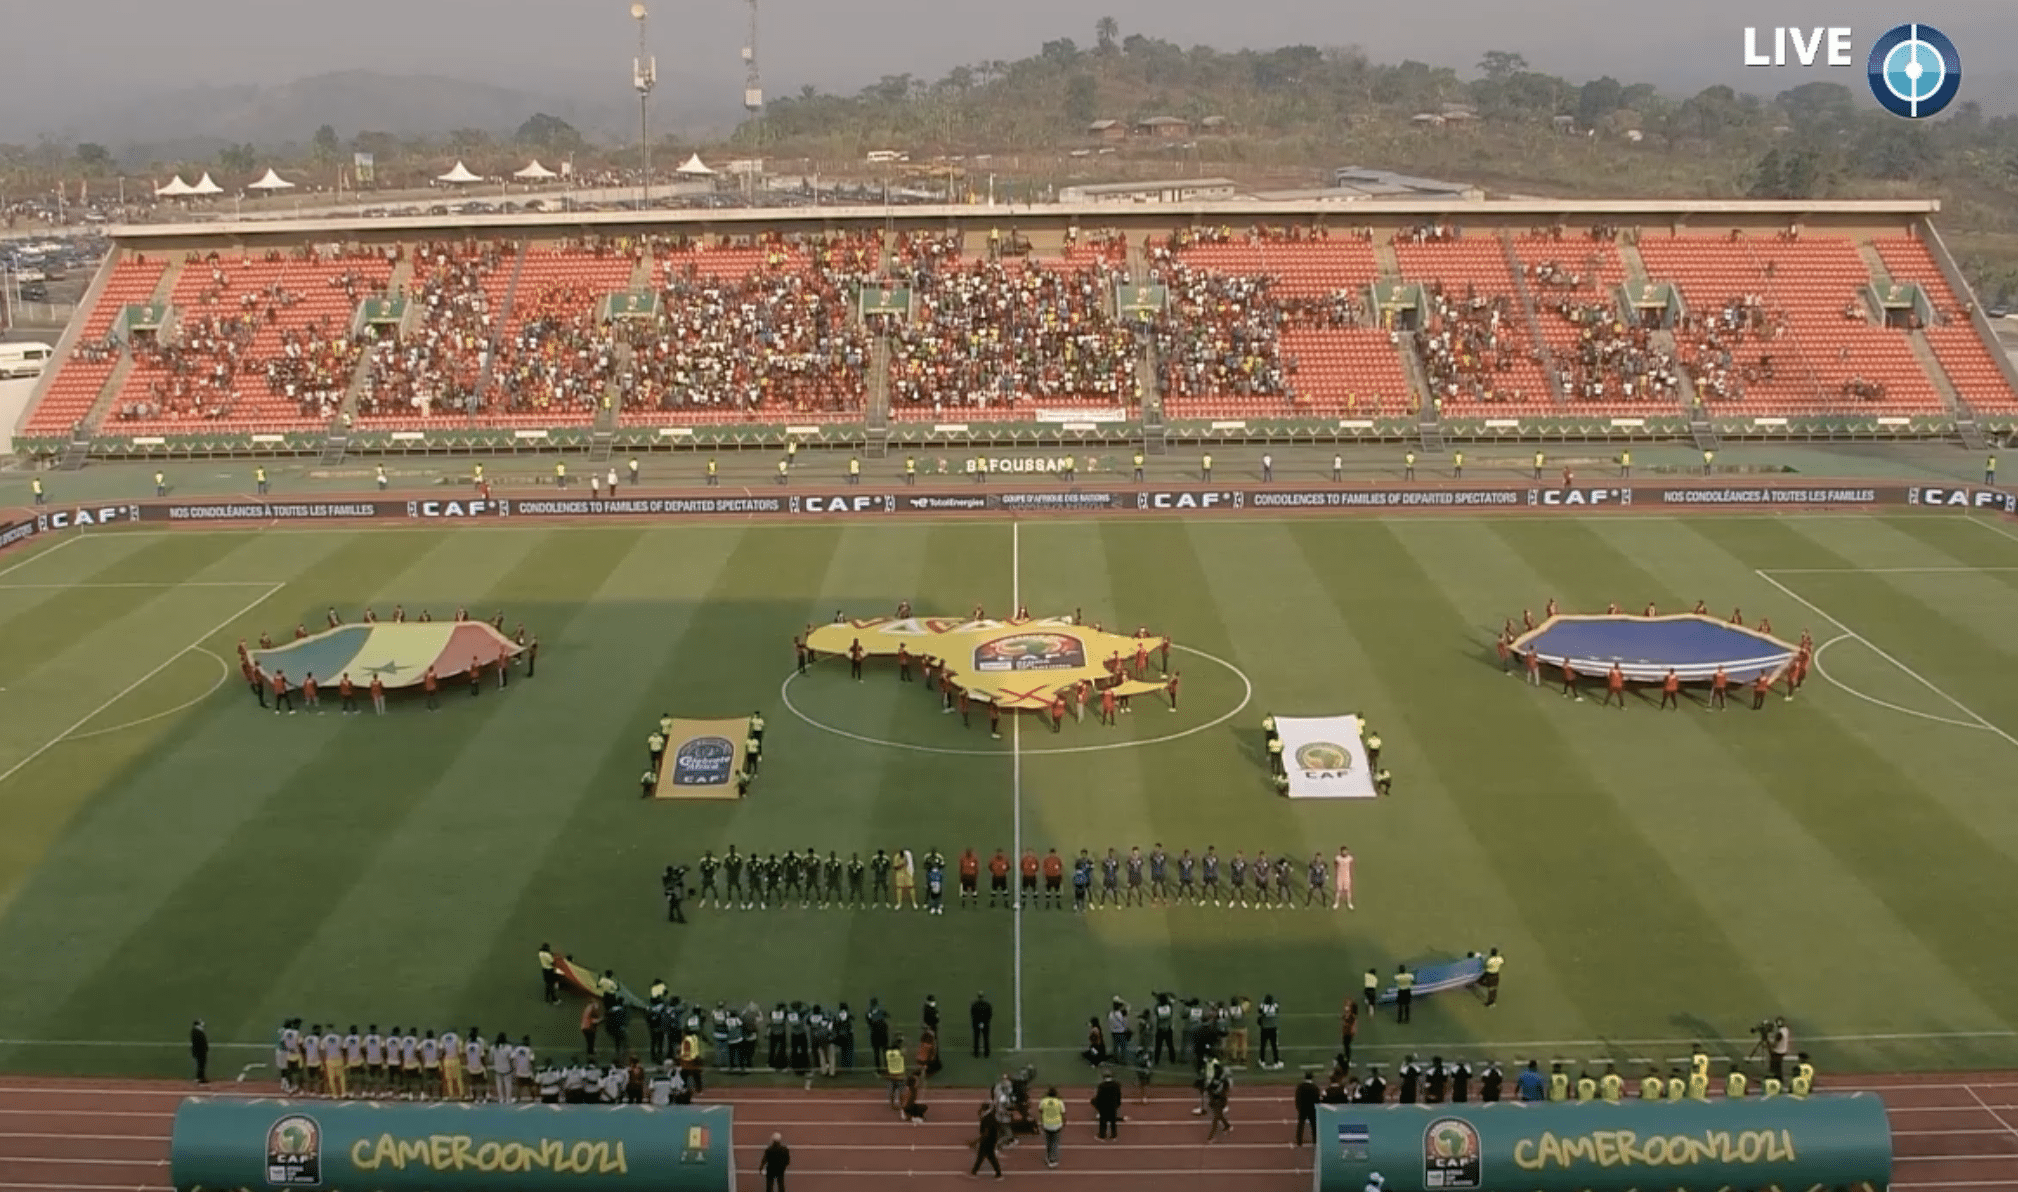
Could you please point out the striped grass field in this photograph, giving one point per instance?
(1654, 878)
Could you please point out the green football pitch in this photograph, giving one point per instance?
(1655, 878)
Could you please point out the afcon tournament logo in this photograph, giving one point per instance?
(1030, 652)
(1450, 1154)
(704, 761)
(1322, 759)
(294, 1152)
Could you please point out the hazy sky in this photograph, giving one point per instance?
(76, 58)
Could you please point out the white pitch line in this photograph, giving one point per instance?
(1887, 570)
(223, 673)
(1916, 676)
(38, 556)
(130, 688)
(1872, 699)
(1994, 528)
(166, 583)
(1016, 800)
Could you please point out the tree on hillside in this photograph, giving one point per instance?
(1794, 174)
(548, 132)
(1819, 107)
(382, 146)
(238, 158)
(1498, 64)
(93, 156)
(1106, 34)
(326, 143)
(468, 140)
(1062, 52)
(1082, 100)
(1598, 99)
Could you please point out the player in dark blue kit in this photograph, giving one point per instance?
(1159, 875)
(1285, 881)
(1187, 875)
(1082, 881)
(1135, 865)
(1110, 879)
(1236, 873)
(1210, 868)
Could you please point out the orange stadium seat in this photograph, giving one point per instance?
(261, 346)
(1825, 358)
(80, 378)
(1959, 349)
(1474, 277)
(1265, 323)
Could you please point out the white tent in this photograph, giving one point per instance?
(460, 176)
(693, 167)
(535, 172)
(204, 186)
(175, 189)
(272, 181)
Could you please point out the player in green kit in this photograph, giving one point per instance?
(793, 873)
(708, 867)
(879, 878)
(1734, 1085)
(1678, 1089)
(1587, 1089)
(811, 863)
(833, 872)
(856, 872)
(732, 872)
(774, 877)
(1610, 1086)
(1651, 1087)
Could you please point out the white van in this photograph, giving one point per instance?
(24, 359)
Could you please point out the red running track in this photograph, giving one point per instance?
(1951, 1131)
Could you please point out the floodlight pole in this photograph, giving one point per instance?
(644, 77)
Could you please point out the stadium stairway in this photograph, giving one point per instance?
(504, 320)
(1966, 426)
(1536, 339)
(1636, 266)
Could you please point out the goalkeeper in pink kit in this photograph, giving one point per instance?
(1341, 879)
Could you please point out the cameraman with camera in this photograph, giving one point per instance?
(1777, 1041)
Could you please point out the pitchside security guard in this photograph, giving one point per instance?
(550, 978)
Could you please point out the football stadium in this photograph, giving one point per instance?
(782, 670)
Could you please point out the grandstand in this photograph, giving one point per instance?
(1521, 321)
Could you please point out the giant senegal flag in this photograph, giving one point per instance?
(397, 655)
(1014, 664)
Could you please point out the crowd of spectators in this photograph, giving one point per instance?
(439, 366)
(1723, 349)
(196, 375)
(1611, 360)
(986, 333)
(560, 357)
(1467, 343)
(777, 338)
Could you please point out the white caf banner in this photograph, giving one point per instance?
(1325, 757)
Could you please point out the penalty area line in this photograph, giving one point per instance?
(134, 686)
(1868, 644)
